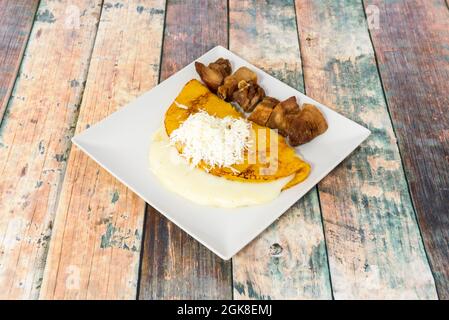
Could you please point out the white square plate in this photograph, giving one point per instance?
(120, 143)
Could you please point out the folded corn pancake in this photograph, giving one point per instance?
(256, 167)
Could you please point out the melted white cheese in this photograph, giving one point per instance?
(203, 188)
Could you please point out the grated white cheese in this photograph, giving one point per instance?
(217, 141)
(182, 106)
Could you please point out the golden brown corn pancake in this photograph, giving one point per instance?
(195, 96)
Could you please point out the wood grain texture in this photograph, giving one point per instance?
(174, 265)
(412, 47)
(16, 20)
(95, 247)
(374, 245)
(34, 141)
(288, 260)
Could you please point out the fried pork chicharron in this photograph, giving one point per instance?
(263, 110)
(299, 124)
(282, 113)
(306, 126)
(214, 74)
(231, 83)
(248, 95)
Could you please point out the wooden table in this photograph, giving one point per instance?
(376, 227)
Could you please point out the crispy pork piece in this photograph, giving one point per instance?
(228, 87)
(248, 95)
(243, 73)
(306, 125)
(212, 78)
(281, 114)
(223, 66)
(231, 82)
(263, 110)
(214, 74)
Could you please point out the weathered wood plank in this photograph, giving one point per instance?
(412, 47)
(35, 138)
(288, 260)
(95, 248)
(174, 265)
(16, 20)
(374, 245)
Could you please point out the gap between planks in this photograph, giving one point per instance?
(35, 135)
(288, 260)
(374, 246)
(417, 105)
(16, 21)
(174, 265)
(95, 247)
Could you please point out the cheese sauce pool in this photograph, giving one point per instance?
(200, 187)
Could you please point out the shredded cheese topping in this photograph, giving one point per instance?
(217, 141)
(182, 106)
